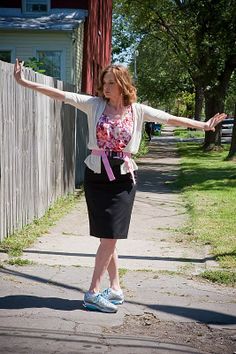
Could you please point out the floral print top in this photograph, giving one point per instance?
(115, 134)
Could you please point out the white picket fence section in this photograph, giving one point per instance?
(37, 150)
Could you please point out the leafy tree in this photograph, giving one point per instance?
(124, 40)
(35, 64)
(216, 37)
(160, 78)
(152, 26)
(231, 109)
(201, 34)
(230, 102)
(232, 150)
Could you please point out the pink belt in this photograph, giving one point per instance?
(124, 155)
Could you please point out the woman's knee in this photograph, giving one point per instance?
(108, 243)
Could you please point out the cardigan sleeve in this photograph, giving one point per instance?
(82, 102)
(155, 115)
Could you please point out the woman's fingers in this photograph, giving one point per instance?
(216, 119)
(18, 65)
(223, 116)
(18, 70)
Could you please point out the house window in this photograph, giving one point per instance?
(5, 55)
(36, 6)
(51, 60)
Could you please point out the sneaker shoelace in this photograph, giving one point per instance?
(100, 298)
(107, 292)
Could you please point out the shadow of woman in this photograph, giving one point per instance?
(15, 302)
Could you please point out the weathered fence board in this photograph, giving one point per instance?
(37, 150)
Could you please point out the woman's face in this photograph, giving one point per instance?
(111, 89)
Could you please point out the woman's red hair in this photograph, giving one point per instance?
(124, 80)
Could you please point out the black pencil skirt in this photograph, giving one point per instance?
(109, 203)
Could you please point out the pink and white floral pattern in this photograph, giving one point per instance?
(115, 134)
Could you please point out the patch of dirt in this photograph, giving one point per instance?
(197, 335)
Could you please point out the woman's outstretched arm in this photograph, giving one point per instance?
(52, 92)
(190, 123)
(156, 115)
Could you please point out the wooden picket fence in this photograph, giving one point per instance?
(37, 150)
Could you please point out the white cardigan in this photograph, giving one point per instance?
(94, 107)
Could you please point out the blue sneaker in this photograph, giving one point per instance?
(95, 301)
(115, 297)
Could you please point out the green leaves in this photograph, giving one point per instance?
(191, 40)
(35, 64)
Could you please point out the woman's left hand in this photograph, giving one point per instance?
(18, 74)
(212, 122)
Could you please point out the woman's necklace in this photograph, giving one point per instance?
(115, 113)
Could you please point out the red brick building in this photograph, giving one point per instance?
(97, 41)
(74, 36)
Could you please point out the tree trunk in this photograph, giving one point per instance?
(214, 103)
(199, 96)
(232, 150)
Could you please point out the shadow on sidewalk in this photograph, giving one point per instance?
(92, 255)
(15, 302)
(31, 301)
(40, 279)
(88, 342)
(197, 314)
(62, 304)
(153, 181)
(157, 168)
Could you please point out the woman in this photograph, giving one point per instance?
(115, 123)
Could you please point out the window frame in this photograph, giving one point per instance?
(5, 48)
(49, 48)
(24, 7)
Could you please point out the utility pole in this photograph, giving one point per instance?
(136, 53)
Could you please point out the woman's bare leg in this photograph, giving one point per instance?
(113, 272)
(104, 255)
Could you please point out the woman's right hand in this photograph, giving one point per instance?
(49, 91)
(18, 74)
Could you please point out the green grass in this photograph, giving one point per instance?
(143, 148)
(220, 276)
(208, 184)
(23, 238)
(186, 133)
(122, 272)
(19, 261)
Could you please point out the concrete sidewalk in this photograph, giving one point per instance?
(151, 244)
(167, 309)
